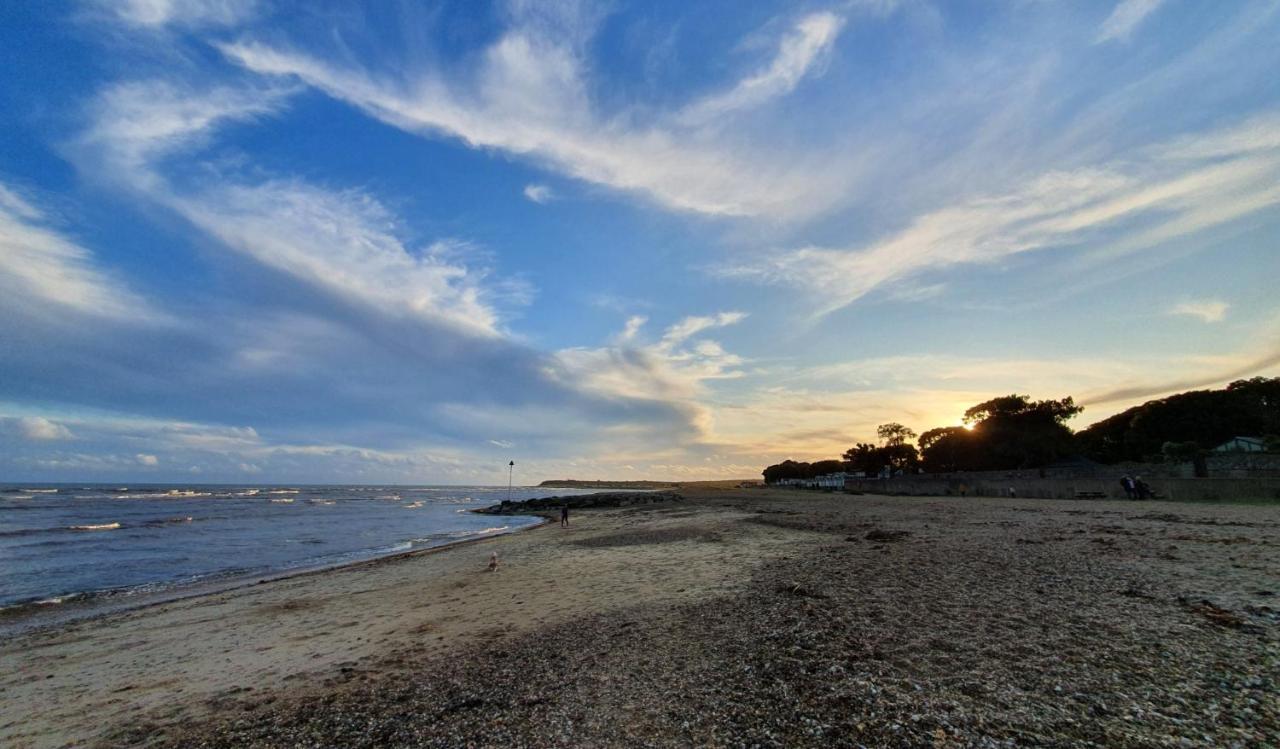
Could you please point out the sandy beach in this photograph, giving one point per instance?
(737, 617)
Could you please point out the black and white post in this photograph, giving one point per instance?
(511, 469)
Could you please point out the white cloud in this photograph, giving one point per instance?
(1118, 208)
(147, 460)
(38, 428)
(247, 468)
(675, 369)
(798, 52)
(1206, 310)
(629, 331)
(540, 194)
(40, 269)
(346, 243)
(504, 444)
(691, 326)
(1125, 17)
(529, 97)
(184, 13)
(138, 123)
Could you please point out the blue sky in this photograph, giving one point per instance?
(252, 241)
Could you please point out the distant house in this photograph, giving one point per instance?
(830, 481)
(1241, 445)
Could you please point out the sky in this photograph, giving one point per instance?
(253, 241)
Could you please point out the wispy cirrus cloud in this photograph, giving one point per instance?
(1125, 17)
(1120, 207)
(799, 52)
(181, 13)
(530, 97)
(421, 322)
(344, 242)
(1205, 310)
(45, 273)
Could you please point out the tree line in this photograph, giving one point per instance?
(1016, 432)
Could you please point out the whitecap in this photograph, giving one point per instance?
(98, 527)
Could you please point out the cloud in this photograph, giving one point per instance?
(38, 428)
(343, 242)
(147, 460)
(136, 124)
(691, 326)
(529, 96)
(629, 331)
(674, 370)
(45, 273)
(1214, 372)
(798, 52)
(1124, 18)
(1116, 208)
(182, 13)
(504, 444)
(1206, 310)
(383, 333)
(540, 194)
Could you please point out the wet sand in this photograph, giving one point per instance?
(737, 617)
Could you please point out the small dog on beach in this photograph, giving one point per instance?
(493, 562)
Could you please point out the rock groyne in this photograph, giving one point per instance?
(580, 502)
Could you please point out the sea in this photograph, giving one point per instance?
(92, 547)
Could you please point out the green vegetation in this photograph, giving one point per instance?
(1207, 418)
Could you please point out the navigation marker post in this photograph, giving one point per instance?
(511, 469)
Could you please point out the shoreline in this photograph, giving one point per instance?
(808, 619)
(37, 616)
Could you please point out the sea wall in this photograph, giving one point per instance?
(1244, 465)
(994, 484)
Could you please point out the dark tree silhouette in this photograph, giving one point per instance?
(1245, 408)
(1011, 431)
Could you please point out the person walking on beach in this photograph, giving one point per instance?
(564, 516)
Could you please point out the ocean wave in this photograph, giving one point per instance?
(124, 592)
(283, 491)
(170, 494)
(413, 505)
(282, 500)
(93, 527)
(318, 501)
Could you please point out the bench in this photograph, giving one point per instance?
(1091, 495)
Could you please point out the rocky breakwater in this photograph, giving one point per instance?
(579, 502)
